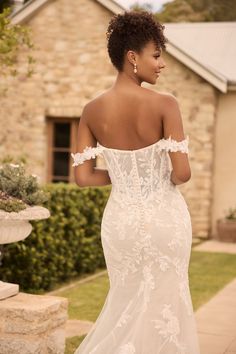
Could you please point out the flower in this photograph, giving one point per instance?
(13, 165)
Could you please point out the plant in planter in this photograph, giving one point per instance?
(17, 189)
(20, 201)
(226, 227)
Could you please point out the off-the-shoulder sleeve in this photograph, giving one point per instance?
(173, 145)
(88, 153)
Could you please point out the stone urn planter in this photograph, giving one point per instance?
(226, 230)
(15, 226)
(226, 227)
(21, 198)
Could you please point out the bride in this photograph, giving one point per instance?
(146, 228)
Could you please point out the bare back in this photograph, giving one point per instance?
(126, 120)
(132, 120)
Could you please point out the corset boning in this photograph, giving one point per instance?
(138, 179)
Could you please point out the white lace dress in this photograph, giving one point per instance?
(146, 236)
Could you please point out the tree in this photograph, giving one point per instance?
(14, 41)
(146, 6)
(198, 11)
(5, 4)
(176, 11)
(193, 10)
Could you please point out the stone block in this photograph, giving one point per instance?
(33, 324)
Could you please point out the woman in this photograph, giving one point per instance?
(146, 227)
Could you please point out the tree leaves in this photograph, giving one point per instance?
(15, 48)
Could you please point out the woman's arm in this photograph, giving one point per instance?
(99, 177)
(173, 126)
(87, 174)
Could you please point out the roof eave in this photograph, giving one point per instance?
(29, 9)
(113, 6)
(215, 79)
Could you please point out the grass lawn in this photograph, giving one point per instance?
(72, 344)
(86, 300)
(208, 273)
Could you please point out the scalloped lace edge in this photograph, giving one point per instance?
(168, 144)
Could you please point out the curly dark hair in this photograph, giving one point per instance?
(132, 30)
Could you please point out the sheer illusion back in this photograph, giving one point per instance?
(146, 237)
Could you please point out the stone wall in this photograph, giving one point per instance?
(33, 324)
(72, 68)
(224, 196)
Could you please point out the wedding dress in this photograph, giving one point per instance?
(146, 236)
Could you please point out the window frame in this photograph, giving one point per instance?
(50, 122)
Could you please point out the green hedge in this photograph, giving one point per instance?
(62, 247)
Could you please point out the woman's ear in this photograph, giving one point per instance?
(131, 56)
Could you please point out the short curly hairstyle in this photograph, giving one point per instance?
(132, 30)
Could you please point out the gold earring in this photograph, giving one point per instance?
(135, 68)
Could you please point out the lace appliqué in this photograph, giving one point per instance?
(181, 268)
(163, 144)
(169, 329)
(127, 348)
(88, 153)
(173, 145)
(124, 316)
(146, 286)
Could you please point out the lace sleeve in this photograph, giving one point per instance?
(88, 153)
(173, 145)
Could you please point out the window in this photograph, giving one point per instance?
(62, 135)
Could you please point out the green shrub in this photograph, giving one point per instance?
(63, 246)
(18, 190)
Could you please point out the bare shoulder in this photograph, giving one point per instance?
(92, 103)
(91, 108)
(164, 103)
(168, 98)
(169, 105)
(150, 93)
(172, 117)
(161, 97)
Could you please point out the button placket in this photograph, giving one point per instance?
(138, 189)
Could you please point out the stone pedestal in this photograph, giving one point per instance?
(226, 230)
(33, 324)
(8, 289)
(16, 227)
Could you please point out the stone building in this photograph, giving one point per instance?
(40, 116)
